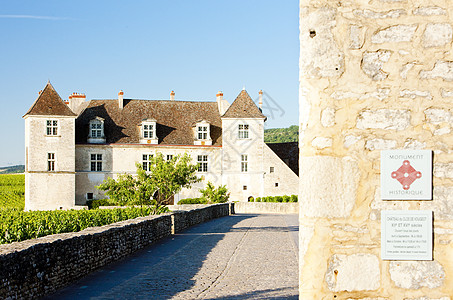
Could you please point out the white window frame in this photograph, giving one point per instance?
(244, 163)
(203, 163)
(243, 131)
(51, 161)
(96, 162)
(146, 158)
(52, 127)
(96, 126)
(148, 130)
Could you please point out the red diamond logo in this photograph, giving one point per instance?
(406, 175)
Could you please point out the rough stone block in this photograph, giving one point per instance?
(328, 117)
(350, 140)
(384, 119)
(442, 69)
(356, 272)
(438, 116)
(429, 11)
(356, 36)
(394, 34)
(416, 274)
(380, 144)
(321, 142)
(442, 203)
(442, 131)
(405, 69)
(392, 14)
(437, 34)
(372, 63)
(412, 94)
(320, 56)
(380, 94)
(443, 170)
(414, 144)
(445, 93)
(324, 193)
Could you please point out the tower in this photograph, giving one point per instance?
(49, 153)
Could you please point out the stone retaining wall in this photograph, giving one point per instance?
(266, 208)
(34, 268)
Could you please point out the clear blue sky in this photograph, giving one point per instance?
(147, 49)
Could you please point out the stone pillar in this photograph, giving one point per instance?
(374, 75)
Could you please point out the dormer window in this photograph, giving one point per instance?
(148, 134)
(202, 133)
(96, 134)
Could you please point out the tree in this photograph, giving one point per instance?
(154, 187)
(215, 195)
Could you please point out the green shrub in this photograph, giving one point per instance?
(258, 199)
(193, 201)
(286, 198)
(12, 191)
(251, 199)
(294, 198)
(215, 195)
(278, 199)
(93, 204)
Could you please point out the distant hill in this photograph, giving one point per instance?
(12, 169)
(282, 135)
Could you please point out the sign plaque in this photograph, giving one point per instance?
(406, 235)
(406, 175)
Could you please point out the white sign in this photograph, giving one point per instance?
(406, 175)
(406, 235)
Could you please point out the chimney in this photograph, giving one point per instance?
(260, 102)
(172, 95)
(75, 100)
(120, 99)
(219, 99)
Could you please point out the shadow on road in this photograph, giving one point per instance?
(159, 271)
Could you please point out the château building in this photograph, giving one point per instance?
(72, 146)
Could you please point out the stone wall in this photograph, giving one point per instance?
(374, 75)
(266, 208)
(34, 268)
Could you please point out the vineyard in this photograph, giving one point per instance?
(12, 191)
(17, 225)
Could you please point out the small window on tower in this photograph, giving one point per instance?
(271, 170)
(244, 187)
(52, 127)
(50, 162)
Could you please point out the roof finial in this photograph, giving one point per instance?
(243, 88)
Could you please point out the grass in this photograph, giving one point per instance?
(12, 191)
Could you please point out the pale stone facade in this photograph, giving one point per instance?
(98, 139)
(374, 75)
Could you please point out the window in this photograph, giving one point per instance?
(146, 161)
(96, 130)
(169, 156)
(89, 196)
(271, 170)
(202, 132)
(243, 132)
(244, 163)
(244, 187)
(96, 162)
(96, 133)
(50, 162)
(276, 184)
(202, 163)
(148, 131)
(52, 127)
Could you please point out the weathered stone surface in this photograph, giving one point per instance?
(437, 34)
(378, 204)
(384, 119)
(414, 144)
(442, 203)
(405, 69)
(446, 93)
(366, 13)
(321, 142)
(394, 34)
(350, 140)
(443, 170)
(326, 193)
(416, 274)
(442, 69)
(428, 298)
(328, 117)
(320, 56)
(442, 130)
(412, 94)
(437, 115)
(372, 63)
(356, 272)
(429, 11)
(380, 144)
(356, 36)
(380, 94)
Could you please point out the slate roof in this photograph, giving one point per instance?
(49, 103)
(243, 107)
(175, 120)
(288, 153)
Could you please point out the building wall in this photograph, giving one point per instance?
(374, 75)
(118, 159)
(282, 181)
(49, 190)
(243, 184)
